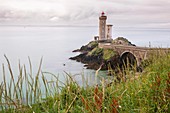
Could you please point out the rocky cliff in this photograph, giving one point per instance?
(93, 56)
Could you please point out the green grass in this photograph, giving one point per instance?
(147, 92)
(93, 44)
(108, 53)
(96, 52)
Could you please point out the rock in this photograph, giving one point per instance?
(93, 57)
(122, 41)
(77, 50)
(90, 46)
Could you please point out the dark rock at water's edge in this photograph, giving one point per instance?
(91, 45)
(93, 57)
(91, 62)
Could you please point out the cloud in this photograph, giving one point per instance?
(24, 10)
(120, 12)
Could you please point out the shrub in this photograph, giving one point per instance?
(108, 53)
(96, 52)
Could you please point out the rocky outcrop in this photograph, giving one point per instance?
(93, 57)
(91, 62)
(122, 41)
(91, 45)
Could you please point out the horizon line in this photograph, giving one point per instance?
(27, 25)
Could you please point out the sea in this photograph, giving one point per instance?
(54, 45)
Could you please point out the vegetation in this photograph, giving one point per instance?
(93, 44)
(146, 92)
(108, 53)
(122, 41)
(96, 52)
(90, 46)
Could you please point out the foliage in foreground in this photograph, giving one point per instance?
(146, 92)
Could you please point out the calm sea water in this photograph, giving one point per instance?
(55, 45)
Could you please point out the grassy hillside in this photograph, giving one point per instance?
(146, 92)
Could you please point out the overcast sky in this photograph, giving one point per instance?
(121, 13)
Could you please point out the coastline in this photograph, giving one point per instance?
(94, 57)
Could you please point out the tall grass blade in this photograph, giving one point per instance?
(5, 84)
(36, 89)
(12, 79)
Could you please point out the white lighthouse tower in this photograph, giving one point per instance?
(102, 27)
(109, 32)
(105, 31)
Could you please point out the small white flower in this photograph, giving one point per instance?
(120, 106)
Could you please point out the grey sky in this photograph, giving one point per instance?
(121, 13)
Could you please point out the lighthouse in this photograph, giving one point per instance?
(105, 31)
(102, 26)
